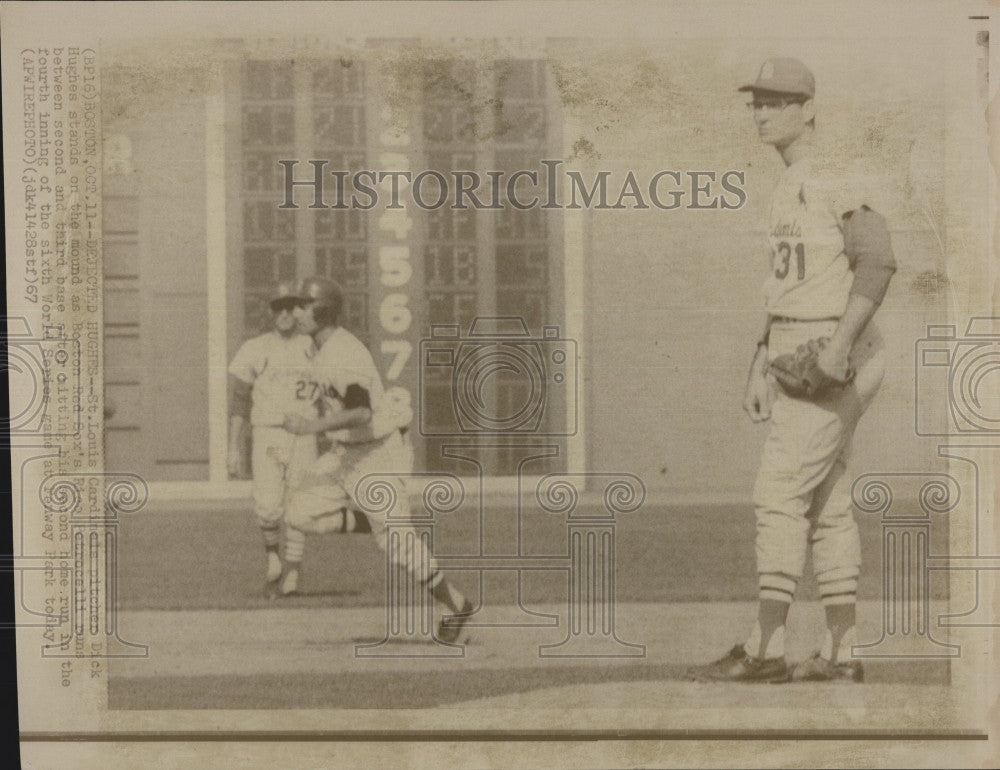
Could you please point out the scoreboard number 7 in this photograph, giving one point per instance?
(400, 350)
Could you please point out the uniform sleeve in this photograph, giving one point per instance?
(240, 399)
(357, 396)
(869, 249)
(244, 364)
(848, 196)
(359, 383)
(842, 192)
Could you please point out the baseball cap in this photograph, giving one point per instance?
(285, 296)
(784, 76)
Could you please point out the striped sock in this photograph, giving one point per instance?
(767, 640)
(295, 546)
(360, 522)
(445, 592)
(838, 591)
(838, 586)
(271, 533)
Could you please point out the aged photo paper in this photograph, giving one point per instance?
(503, 384)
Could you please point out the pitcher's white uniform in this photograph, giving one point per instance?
(831, 262)
(344, 376)
(279, 369)
(802, 474)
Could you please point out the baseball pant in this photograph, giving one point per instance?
(280, 460)
(802, 495)
(329, 486)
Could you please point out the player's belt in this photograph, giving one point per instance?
(784, 319)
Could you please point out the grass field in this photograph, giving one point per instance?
(193, 556)
(190, 577)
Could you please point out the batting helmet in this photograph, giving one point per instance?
(325, 296)
(284, 295)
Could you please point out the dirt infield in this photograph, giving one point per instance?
(190, 585)
(305, 658)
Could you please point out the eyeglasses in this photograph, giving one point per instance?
(758, 105)
(285, 305)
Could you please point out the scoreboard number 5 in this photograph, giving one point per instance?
(785, 257)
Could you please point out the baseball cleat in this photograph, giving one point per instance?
(737, 666)
(271, 589)
(819, 669)
(450, 627)
(289, 585)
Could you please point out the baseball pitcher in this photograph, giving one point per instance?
(817, 367)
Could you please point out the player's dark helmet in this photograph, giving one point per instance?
(285, 289)
(285, 294)
(325, 296)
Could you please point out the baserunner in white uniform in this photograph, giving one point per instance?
(365, 432)
(270, 378)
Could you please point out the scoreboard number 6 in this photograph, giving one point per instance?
(394, 314)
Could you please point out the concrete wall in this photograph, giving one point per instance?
(161, 113)
(672, 301)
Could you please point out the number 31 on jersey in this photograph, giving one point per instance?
(784, 257)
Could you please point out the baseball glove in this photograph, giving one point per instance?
(800, 375)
